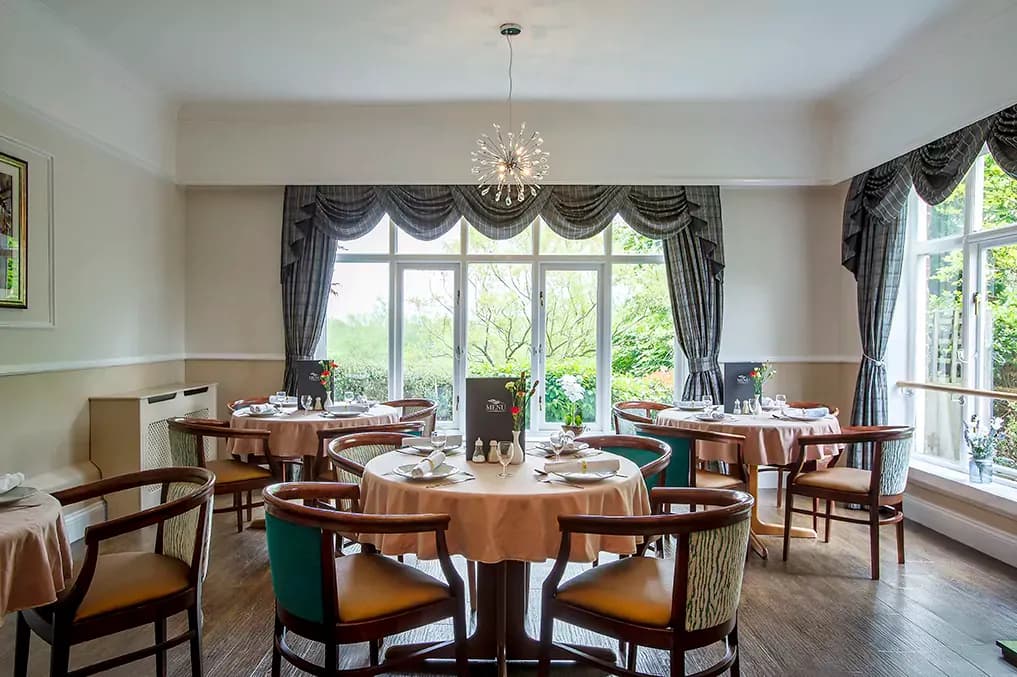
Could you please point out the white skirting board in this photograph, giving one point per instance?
(982, 537)
(79, 517)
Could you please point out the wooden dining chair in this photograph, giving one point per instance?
(686, 444)
(240, 404)
(322, 469)
(417, 410)
(879, 489)
(349, 454)
(627, 413)
(233, 477)
(675, 604)
(782, 470)
(118, 591)
(337, 599)
(652, 456)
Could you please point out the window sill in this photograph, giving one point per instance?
(999, 497)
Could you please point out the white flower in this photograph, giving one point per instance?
(573, 389)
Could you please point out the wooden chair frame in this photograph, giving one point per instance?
(782, 469)
(734, 507)
(201, 428)
(876, 437)
(321, 469)
(657, 466)
(624, 410)
(428, 412)
(55, 623)
(332, 632)
(695, 437)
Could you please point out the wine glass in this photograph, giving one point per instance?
(781, 401)
(348, 396)
(438, 439)
(708, 402)
(557, 442)
(278, 398)
(306, 401)
(504, 457)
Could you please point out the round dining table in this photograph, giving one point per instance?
(295, 433)
(503, 524)
(35, 555)
(769, 440)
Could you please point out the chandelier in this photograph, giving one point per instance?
(510, 162)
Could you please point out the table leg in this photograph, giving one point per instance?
(761, 528)
(500, 629)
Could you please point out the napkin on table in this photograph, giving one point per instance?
(261, 408)
(815, 412)
(597, 465)
(428, 465)
(10, 481)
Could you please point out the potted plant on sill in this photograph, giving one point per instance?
(574, 393)
(982, 442)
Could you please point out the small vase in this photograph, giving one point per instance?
(328, 402)
(980, 470)
(518, 454)
(757, 404)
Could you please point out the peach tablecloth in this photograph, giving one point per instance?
(35, 556)
(495, 519)
(768, 440)
(295, 434)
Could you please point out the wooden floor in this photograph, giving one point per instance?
(817, 615)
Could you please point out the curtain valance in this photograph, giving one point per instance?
(574, 212)
(876, 197)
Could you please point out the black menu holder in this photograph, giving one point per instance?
(737, 384)
(309, 379)
(488, 411)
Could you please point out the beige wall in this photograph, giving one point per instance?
(237, 379)
(118, 274)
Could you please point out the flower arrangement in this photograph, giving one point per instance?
(522, 390)
(983, 440)
(574, 393)
(760, 375)
(326, 375)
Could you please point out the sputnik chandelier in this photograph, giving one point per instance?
(510, 162)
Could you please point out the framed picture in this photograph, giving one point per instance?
(13, 232)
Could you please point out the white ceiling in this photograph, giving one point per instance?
(449, 50)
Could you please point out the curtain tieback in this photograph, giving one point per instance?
(704, 364)
(878, 364)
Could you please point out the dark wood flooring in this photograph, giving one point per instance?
(819, 614)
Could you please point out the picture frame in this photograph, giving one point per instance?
(13, 232)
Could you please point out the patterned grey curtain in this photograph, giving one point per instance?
(874, 231)
(688, 219)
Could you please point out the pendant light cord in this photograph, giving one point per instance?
(509, 41)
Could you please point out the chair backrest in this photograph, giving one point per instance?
(187, 436)
(685, 450)
(240, 404)
(889, 448)
(652, 456)
(350, 453)
(417, 409)
(186, 536)
(627, 413)
(323, 468)
(301, 542)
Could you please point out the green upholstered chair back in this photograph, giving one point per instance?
(681, 451)
(716, 566)
(295, 563)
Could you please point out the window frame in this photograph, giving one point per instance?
(539, 263)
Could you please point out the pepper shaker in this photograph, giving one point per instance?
(492, 452)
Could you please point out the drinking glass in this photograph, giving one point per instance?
(278, 398)
(504, 457)
(306, 401)
(781, 401)
(348, 396)
(438, 440)
(556, 443)
(708, 401)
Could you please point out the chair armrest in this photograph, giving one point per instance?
(111, 485)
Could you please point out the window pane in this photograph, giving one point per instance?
(940, 421)
(552, 243)
(570, 340)
(498, 330)
(1001, 322)
(999, 195)
(624, 240)
(945, 219)
(642, 334)
(428, 337)
(941, 315)
(358, 328)
(478, 243)
(374, 242)
(449, 243)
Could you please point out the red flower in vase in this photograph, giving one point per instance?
(515, 411)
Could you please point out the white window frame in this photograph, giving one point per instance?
(976, 370)
(539, 263)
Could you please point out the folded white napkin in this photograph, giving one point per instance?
(10, 481)
(597, 465)
(428, 465)
(715, 415)
(261, 408)
(813, 412)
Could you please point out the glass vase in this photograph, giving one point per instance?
(980, 470)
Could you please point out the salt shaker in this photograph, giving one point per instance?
(737, 407)
(492, 452)
(478, 451)
(317, 404)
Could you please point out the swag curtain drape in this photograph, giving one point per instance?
(874, 229)
(688, 219)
